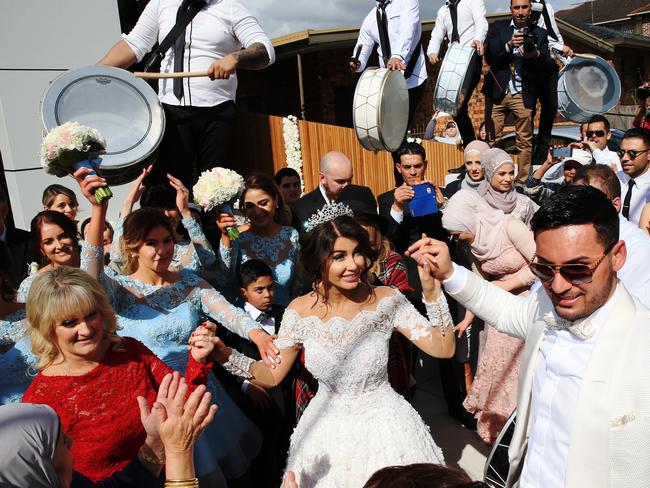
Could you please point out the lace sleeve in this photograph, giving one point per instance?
(92, 261)
(201, 245)
(428, 335)
(232, 318)
(23, 289)
(13, 328)
(288, 333)
(116, 251)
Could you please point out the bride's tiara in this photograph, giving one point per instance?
(327, 213)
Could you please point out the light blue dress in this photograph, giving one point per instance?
(280, 252)
(163, 318)
(17, 364)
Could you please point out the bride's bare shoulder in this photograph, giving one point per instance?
(305, 304)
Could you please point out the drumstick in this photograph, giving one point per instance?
(180, 74)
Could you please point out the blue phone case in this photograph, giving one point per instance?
(424, 201)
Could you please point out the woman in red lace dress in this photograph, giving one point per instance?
(90, 376)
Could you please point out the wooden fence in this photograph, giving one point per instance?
(260, 147)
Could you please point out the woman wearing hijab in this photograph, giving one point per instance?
(472, 174)
(40, 455)
(501, 248)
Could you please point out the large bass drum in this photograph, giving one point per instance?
(381, 109)
(458, 70)
(124, 109)
(587, 86)
(497, 464)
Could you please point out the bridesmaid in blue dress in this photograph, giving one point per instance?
(267, 240)
(161, 308)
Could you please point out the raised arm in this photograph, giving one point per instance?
(434, 336)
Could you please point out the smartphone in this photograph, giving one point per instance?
(424, 201)
(562, 152)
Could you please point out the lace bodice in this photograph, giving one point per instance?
(280, 252)
(351, 356)
(193, 254)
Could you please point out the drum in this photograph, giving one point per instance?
(587, 85)
(459, 68)
(497, 464)
(381, 109)
(124, 109)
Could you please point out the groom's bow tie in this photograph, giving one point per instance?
(582, 330)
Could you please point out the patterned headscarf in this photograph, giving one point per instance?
(492, 160)
(29, 434)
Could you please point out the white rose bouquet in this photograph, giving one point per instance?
(71, 146)
(219, 187)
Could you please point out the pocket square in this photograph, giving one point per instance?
(622, 420)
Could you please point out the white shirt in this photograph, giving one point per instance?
(635, 274)
(552, 44)
(404, 32)
(557, 382)
(472, 24)
(268, 325)
(514, 85)
(605, 156)
(222, 27)
(640, 193)
(322, 192)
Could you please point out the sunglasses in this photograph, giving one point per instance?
(576, 274)
(597, 133)
(632, 152)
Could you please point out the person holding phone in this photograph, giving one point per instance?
(404, 229)
(538, 190)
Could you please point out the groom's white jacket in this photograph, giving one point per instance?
(610, 439)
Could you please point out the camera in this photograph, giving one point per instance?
(530, 41)
(643, 92)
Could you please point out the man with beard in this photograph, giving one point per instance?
(582, 404)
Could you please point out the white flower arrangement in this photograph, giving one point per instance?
(219, 187)
(71, 146)
(410, 138)
(293, 153)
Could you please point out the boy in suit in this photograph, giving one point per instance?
(270, 410)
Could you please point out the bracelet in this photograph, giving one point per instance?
(186, 483)
(150, 459)
(439, 311)
(238, 364)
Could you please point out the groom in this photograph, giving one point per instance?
(583, 408)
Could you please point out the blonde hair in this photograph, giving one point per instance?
(59, 293)
(137, 226)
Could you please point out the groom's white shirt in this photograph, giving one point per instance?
(583, 409)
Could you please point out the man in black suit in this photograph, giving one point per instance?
(334, 175)
(273, 411)
(520, 64)
(17, 240)
(404, 230)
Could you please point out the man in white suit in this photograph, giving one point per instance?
(583, 408)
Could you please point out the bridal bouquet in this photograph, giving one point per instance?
(71, 146)
(219, 187)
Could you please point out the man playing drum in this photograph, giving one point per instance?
(461, 21)
(394, 25)
(200, 112)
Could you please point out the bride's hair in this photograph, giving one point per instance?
(316, 247)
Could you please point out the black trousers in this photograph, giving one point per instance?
(547, 96)
(462, 118)
(195, 139)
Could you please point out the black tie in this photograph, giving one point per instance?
(382, 26)
(628, 198)
(179, 51)
(453, 5)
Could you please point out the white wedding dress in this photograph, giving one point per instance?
(356, 423)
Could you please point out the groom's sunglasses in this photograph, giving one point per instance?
(576, 274)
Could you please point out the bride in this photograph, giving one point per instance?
(356, 423)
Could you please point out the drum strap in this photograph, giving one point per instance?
(414, 59)
(186, 12)
(382, 28)
(547, 21)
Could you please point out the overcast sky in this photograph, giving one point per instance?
(279, 17)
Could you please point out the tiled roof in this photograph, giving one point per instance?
(603, 10)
